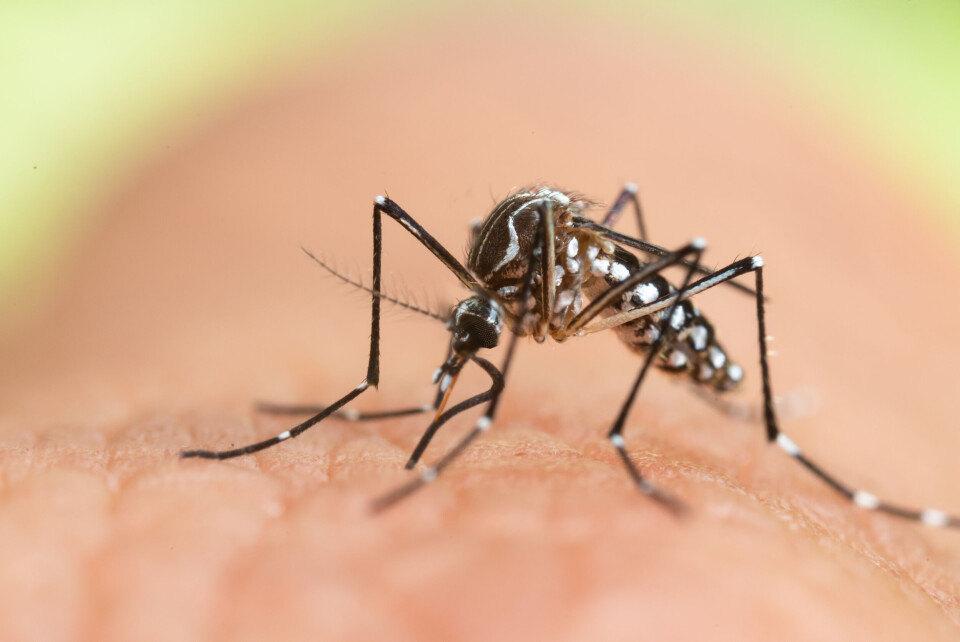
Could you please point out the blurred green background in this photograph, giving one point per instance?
(91, 89)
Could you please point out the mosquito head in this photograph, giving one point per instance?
(475, 323)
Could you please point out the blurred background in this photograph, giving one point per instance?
(93, 91)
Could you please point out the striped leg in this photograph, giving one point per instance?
(381, 205)
(647, 248)
(627, 194)
(862, 498)
(615, 435)
(483, 424)
(347, 414)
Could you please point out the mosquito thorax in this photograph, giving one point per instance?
(501, 245)
(475, 323)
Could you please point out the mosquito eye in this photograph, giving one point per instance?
(474, 333)
(483, 332)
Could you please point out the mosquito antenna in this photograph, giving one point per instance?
(405, 304)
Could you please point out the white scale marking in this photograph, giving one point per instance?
(866, 500)
(495, 316)
(559, 197)
(600, 267)
(717, 358)
(676, 321)
(677, 359)
(787, 444)
(647, 292)
(513, 248)
(934, 517)
(619, 271)
(445, 383)
(698, 337)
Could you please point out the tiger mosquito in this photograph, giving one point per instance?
(539, 266)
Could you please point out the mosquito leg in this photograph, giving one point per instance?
(548, 286)
(482, 425)
(617, 291)
(864, 499)
(627, 194)
(486, 420)
(724, 275)
(647, 248)
(381, 205)
(396, 212)
(616, 432)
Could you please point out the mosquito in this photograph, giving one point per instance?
(540, 267)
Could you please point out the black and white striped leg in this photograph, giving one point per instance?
(721, 276)
(349, 414)
(600, 303)
(615, 435)
(382, 205)
(862, 498)
(627, 195)
(287, 434)
(494, 390)
(482, 425)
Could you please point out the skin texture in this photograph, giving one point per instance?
(190, 300)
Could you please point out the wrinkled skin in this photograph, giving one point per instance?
(190, 300)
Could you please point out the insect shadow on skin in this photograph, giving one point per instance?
(541, 268)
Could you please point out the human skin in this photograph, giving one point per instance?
(191, 300)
